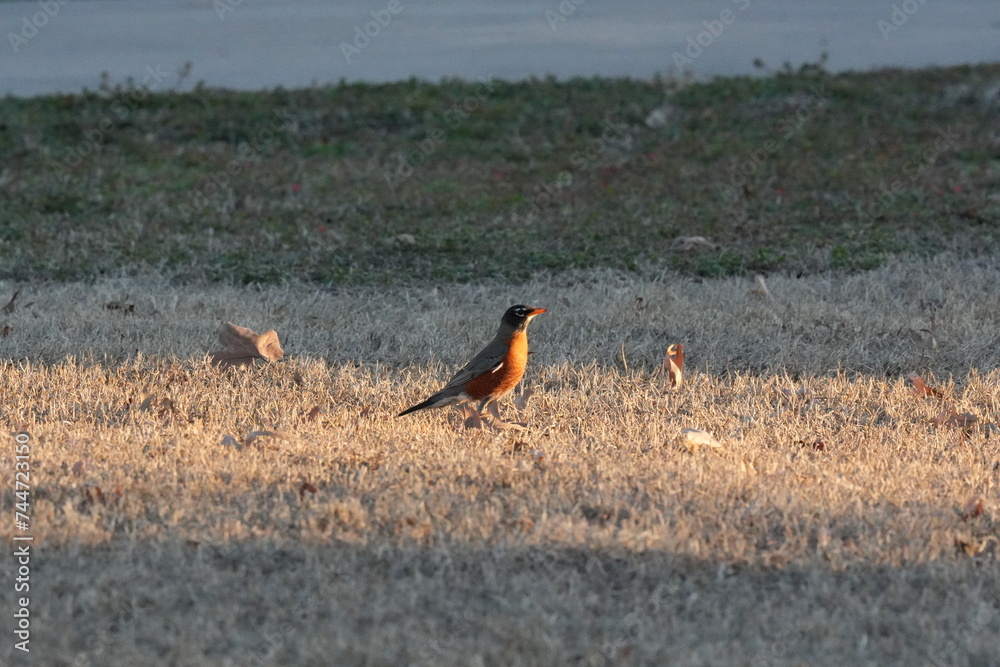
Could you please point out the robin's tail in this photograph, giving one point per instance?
(418, 406)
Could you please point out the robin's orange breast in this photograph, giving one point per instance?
(505, 379)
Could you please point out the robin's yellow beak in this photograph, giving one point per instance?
(536, 311)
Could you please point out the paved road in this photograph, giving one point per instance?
(252, 44)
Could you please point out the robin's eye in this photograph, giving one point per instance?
(520, 312)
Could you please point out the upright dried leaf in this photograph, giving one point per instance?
(243, 346)
(760, 287)
(674, 363)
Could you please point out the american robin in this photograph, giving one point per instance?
(495, 371)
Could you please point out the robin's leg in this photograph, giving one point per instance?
(494, 410)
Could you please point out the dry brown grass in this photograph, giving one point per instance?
(592, 538)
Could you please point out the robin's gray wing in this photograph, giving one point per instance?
(489, 360)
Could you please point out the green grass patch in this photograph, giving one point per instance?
(798, 172)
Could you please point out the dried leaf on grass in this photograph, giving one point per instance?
(973, 508)
(922, 389)
(971, 544)
(674, 363)
(306, 488)
(695, 439)
(243, 346)
(949, 416)
(6, 331)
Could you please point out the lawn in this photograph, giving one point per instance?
(281, 513)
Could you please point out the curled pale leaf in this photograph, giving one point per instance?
(674, 363)
(243, 346)
(684, 243)
(695, 439)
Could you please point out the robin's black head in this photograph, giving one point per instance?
(519, 316)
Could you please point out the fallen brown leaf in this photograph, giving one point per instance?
(973, 508)
(306, 488)
(6, 331)
(949, 416)
(922, 389)
(312, 414)
(243, 346)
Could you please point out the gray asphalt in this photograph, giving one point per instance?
(64, 45)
